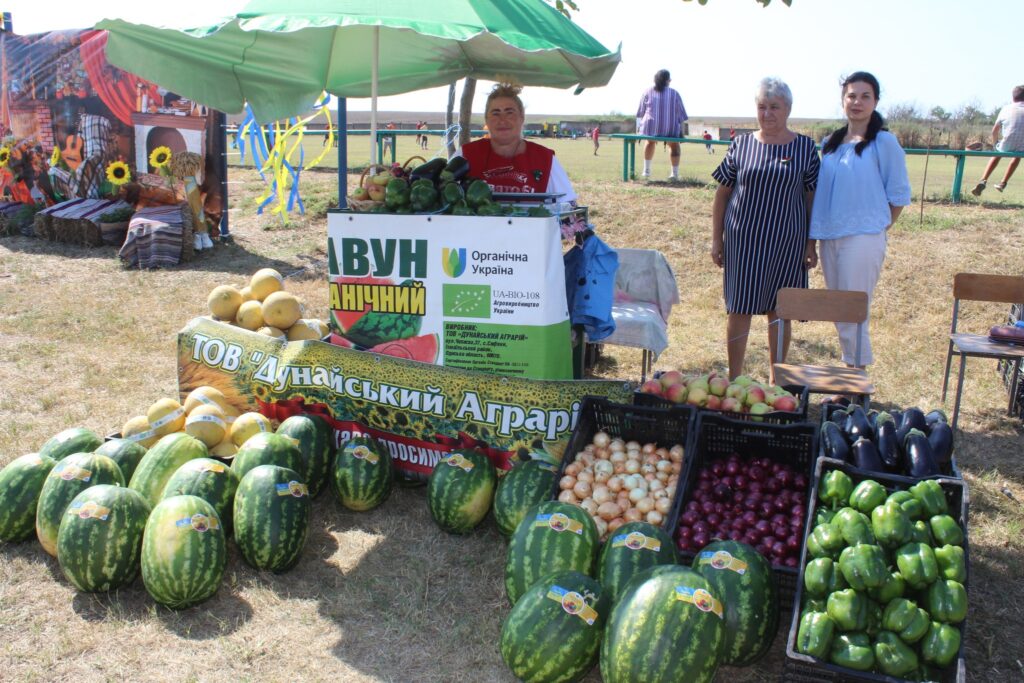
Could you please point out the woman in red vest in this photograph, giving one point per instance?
(508, 162)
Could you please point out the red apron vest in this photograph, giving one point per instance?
(526, 172)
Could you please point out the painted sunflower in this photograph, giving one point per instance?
(55, 157)
(160, 157)
(5, 156)
(118, 173)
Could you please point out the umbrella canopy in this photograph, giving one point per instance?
(279, 55)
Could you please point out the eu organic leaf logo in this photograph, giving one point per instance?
(467, 301)
(453, 261)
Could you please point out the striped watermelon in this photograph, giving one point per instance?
(312, 443)
(553, 634)
(632, 548)
(271, 517)
(183, 551)
(125, 452)
(163, 460)
(209, 479)
(362, 473)
(20, 484)
(742, 579)
(526, 485)
(67, 479)
(552, 536)
(667, 626)
(100, 536)
(460, 490)
(74, 440)
(264, 448)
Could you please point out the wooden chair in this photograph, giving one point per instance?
(1005, 289)
(829, 305)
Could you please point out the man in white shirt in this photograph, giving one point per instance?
(1010, 125)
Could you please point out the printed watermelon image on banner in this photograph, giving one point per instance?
(419, 412)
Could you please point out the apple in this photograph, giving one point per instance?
(699, 382)
(651, 386)
(737, 391)
(786, 403)
(760, 409)
(718, 386)
(755, 394)
(696, 396)
(714, 402)
(743, 380)
(671, 377)
(731, 404)
(676, 393)
(376, 192)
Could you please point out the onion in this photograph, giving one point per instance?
(659, 494)
(648, 468)
(586, 475)
(675, 454)
(662, 477)
(573, 469)
(615, 484)
(664, 466)
(620, 468)
(655, 486)
(655, 517)
(587, 459)
(602, 527)
(662, 453)
(568, 496)
(636, 495)
(601, 494)
(663, 505)
(603, 466)
(567, 482)
(677, 467)
(601, 454)
(590, 505)
(602, 477)
(649, 448)
(671, 490)
(645, 505)
(617, 445)
(608, 511)
(632, 466)
(582, 489)
(632, 515)
(614, 525)
(617, 457)
(601, 439)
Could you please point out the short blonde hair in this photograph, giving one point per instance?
(509, 90)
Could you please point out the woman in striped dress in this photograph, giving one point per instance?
(760, 219)
(661, 114)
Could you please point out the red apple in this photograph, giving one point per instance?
(731, 404)
(671, 377)
(718, 386)
(651, 386)
(755, 394)
(786, 403)
(676, 393)
(713, 402)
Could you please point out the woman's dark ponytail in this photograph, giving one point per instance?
(877, 123)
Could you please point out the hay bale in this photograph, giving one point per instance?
(188, 251)
(42, 225)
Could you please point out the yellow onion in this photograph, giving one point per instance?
(589, 505)
(582, 489)
(617, 445)
(601, 494)
(608, 511)
(601, 439)
(586, 475)
(614, 524)
(655, 517)
(636, 495)
(663, 505)
(567, 482)
(632, 466)
(567, 496)
(632, 515)
(572, 469)
(664, 466)
(645, 504)
(615, 484)
(648, 448)
(617, 457)
(675, 454)
(602, 527)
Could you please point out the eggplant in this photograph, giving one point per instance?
(865, 455)
(872, 416)
(456, 170)
(885, 441)
(913, 418)
(940, 438)
(834, 442)
(838, 417)
(935, 416)
(919, 460)
(430, 170)
(897, 417)
(857, 424)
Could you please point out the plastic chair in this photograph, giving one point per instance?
(1005, 289)
(827, 305)
(645, 292)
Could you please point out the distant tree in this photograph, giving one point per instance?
(970, 113)
(906, 111)
(940, 114)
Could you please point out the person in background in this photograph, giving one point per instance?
(1010, 126)
(707, 140)
(661, 114)
(863, 187)
(760, 219)
(732, 134)
(595, 135)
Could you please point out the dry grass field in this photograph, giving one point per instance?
(385, 595)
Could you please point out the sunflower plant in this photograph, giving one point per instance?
(5, 156)
(160, 157)
(55, 157)
(118, 173)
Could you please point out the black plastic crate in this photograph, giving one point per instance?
(775, 417)
(664, 426)
(806, 668)
(717, 436)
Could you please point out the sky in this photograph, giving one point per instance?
(929, 53)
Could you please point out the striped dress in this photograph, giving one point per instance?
(766, 221)
(661, 114)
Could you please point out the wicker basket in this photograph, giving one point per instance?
(366, 204)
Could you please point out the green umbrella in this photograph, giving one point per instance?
(279, 55)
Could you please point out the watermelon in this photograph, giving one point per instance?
(553, 634)
(423, 348)
(100, 536)
(552, 536)
(183, 551)
(667, 626)
(742, 579)
(125, 452)
(209, 479)
(20, 483)
(265, 448)
(629, 550)
(67, 479)
(460, 490)
(74, 440)
(368, 328)
(161, 461)
(271, 517)
(527, 484)
(312, 443)
(362, 473)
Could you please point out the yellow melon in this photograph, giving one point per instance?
(224, 302)
(265, 282)
(274, 332)
(304, 329)
(207, 424)
(166, 416)
(246, 293)
(324, 329)
(137, 429)
(250, 315)
(281, 310)
(225, 449)
(248, 424)
(205, 395)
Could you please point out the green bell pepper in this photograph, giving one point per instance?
(916, 562)
(905, 619)
(950, 559)
(922, 533)
(814, 637)
(931, 496)
(538, 212)
(867, 495)
(893, 656)
(848, 609)
(462, 209)
(823, 516)
(825, 541)
(452, 192)
(894, 587)
(478, 193)
(947, 601)
(891, 525)
(855, 526)
(874, 618)
(836, 487)
(941, 644)
(812, 604)
(396, 193)
(422, 195)
(853, 650)
(863, 566)
(911, 505)
(489, 209)
(822, 576)
(946, 531)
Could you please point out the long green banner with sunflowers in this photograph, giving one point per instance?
(419, 411)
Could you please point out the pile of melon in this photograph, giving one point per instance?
(263, 306)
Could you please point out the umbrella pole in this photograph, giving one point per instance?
(374, 75)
